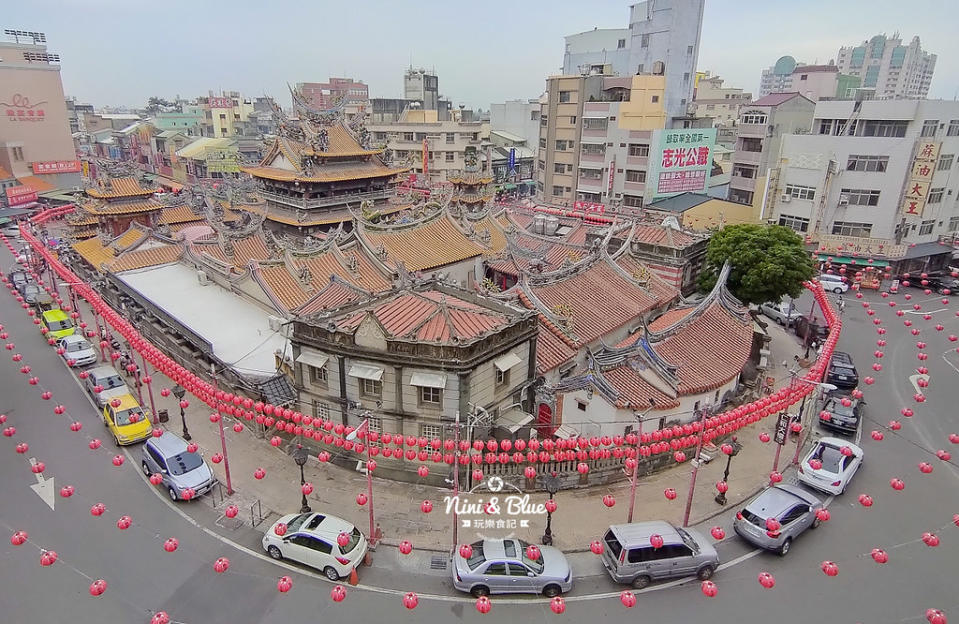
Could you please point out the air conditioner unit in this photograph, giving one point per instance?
(844, 200)
(785, 198)
(275, 323)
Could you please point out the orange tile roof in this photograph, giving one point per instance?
(285, 288)
(5, 175)
(669, 319)
(129, 238)
(124, 207)
(497, 240)
(244, 250)
(551, 350)
(122, 187)
(664, 236)
(341, 143)
(637, 390)
(142, 258)
(328, 173)
(332, 295)
(36, 183)
(94, 252)
(367, 276)
(178, 214)
(431, 245)
(81, 217)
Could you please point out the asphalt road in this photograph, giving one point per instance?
(143, 578)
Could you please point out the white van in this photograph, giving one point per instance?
(834, 283)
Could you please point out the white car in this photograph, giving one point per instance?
(834, 283)
(77, 350)
(11, 230)
(785, 312)
(312, 539)
(826, 468)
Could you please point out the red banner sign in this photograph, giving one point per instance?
(17, 195)
(586, 206)
(221, 102)
(57, 166)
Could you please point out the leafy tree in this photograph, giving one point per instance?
(766, 262)
(157, 104)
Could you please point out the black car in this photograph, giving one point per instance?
(842, 372)
(844, 413)
(817, 328)
(936, 281)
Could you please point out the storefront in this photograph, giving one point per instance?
(870, 272)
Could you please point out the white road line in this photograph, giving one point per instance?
(946, 360)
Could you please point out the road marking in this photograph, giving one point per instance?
(914, 380)
(44, 487)
(946, 360)
(926, 311)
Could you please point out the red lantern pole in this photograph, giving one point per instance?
(96, 319)
(639, 441)
(456, 479)
(692, 479)
(226, 461)
(146, 372)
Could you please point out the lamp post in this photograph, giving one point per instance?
(300, 456)
(179, 392)
(692, 478)
(146, 370)
(721, 497)
(639, 441)
(353, 435)
(551, 484)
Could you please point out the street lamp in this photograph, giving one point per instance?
(300, 456)
(353, 435)
(179, 392)
(721, 497)
(639, 435)
(551, 484)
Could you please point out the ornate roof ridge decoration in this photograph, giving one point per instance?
(430, 211)
(582, 265)
(563, 330)
(335, 280)
(638, 282)
(592, 378)
(626, 242)
(308, 246)
(639, 355)
(719, 294)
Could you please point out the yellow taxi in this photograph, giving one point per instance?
(57, 322)
(127, 421)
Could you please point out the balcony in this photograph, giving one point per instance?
(592, 157)
(742, 182)
(634, 186)
(639, 161)
(747, 158)
(322, 202)
(758, 131)
(590, 185)
(594, 133)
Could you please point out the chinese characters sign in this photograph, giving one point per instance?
(20, 108)
(221, 102)
(854, 245)
(56, 166)
(586, 206)
(923, 165)
(682, 161)
(17, 195)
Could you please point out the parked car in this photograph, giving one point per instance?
(792, 507)
(127, 420)
(841, 413)
(784, 312)
(502, 566)
(842, 372)
(835, 468)
(817, 327)
(11, 230)
(169, 456)
(18, 277)
(311, 539)
(30, 293)
(57, 322)
(110, 382)
(630, 557)
(78, 350)
(835, 283)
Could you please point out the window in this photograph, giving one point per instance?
(450, 137)
(861, 197)
(686, 77)
(542, 143)
(635, 176)
(880, 128)
(450, 156)
(929, 128)
(801, 192)
(753, 118)
(572, 120)
(804, 77)
(926, 226)
(496, 569)
(797, 224)
(431, 432)
(633, 201)
(517, 569)
(564, 97)
(561, 145)
(321, 410)
(371, 388)
(502, 377)
(644, 41)
(850, 228)
(639, 555)
(559, 168)
(825, 126)
(558, 191)
(953, 128)
(867, 163)
(935, 195)
(655, 99)
(945, 162)
(541, 165)
(18, 153)
(407, 136)
(689, 49)
(639, 69)
(751, 144)
(636, 149)
(581, 405)
(953, 224)
(620, 44)
(431, 396)
(744, 171)
(319, 376)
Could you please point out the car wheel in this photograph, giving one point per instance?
(641, 581)
(551, 591)
(331, 573)
(837, 290)
(480, 591)
(146, 469)
(705, 573)
(274, 552)
(172, 493)
(785, 547)
(816, 522)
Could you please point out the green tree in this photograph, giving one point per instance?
(766, 262)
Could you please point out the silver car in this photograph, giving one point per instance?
(502, 566)
(785, 312)
(181, 470)
(777, 516)
(109, 381)
(78, 350)
(630, 557)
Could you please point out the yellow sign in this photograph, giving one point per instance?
(849, 245)
(914, 199)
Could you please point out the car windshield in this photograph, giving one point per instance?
(113, 381)
(753, 518)
(688, 540)
(831, 458)
(79, 345)
(297, 522)
(128, 416)
(837, 408)
(536, 565)
(58, 325)
(477, 557)
(184, 462)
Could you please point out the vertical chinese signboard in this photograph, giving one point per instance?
(681, 162)
(426, 159)
(923, 166)
(612, 177)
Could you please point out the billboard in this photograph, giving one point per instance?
(923, 165)
(17, 195)
(222, 161)
(56, 166)
(680, 162)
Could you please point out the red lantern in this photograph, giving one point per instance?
(829, 568)
(897, 484)
(406, 547)
(925, 467)
(118, 460)
(410, 600)
(48, 558)
(609, 500)
(656, 541)
(221, 565)
(66, 491)
(628, 599)
(338, 593)
(670, 494)
(550, 506)
(557, 605)
(97, 509)
(259, 473)
(284, 585)
(879, 556)
(171, 544)
(426, 506)
(930, 539)
(865, 500)
(935, 616)
(231, 511)
(483, 604)
(767, 580)
(718, 533)
(709, 589)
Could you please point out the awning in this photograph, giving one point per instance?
(313, 358)
(277, 390)
(365, 371)
(506, 362)
(514, 419)
(428, 380)
(860, 262)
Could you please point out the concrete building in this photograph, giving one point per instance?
(189, 123)
(762, 125)
(422, 86)
(36, 146)
(354, 94)
(699, 212)
(877, 178)
(719, 103)
(779, 77)
(893, 70)
(816, 82)
(76, 112)
(224, 116)
(517, 117)
(662, 37)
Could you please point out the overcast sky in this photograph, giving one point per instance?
(120, 52)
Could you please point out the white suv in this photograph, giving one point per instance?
(834, 283)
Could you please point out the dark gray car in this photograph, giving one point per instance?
(792, 508)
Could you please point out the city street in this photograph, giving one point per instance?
(143, 578)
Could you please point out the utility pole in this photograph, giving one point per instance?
(692, 479)
(456, 478)
(639, 441)
(226, 461)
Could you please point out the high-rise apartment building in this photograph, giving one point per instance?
(894, 70)
(814, 82)
(662, 38)
(325, 95)
(779, 77)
